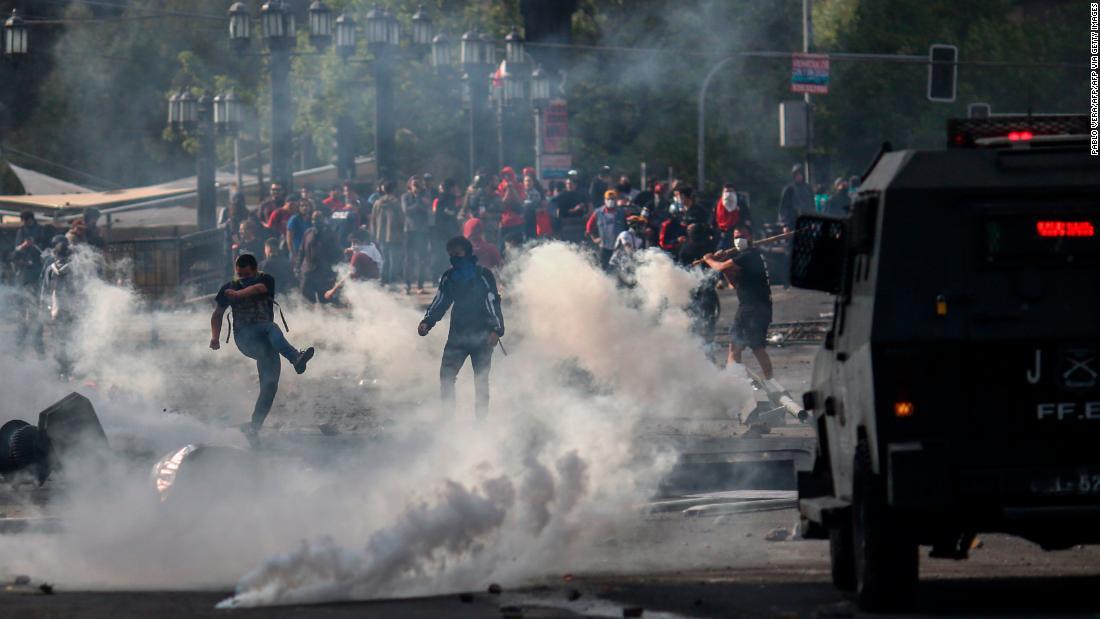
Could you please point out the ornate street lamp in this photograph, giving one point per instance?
(421, 27)
(15, 35)
(188, 113)
(540, 88)
(488, 50)
(345, 36)
(276, 23)
(174, 111)
(442, 51)
(240, 26)
(377, 27)
(470, 53)
(227, 113)
(513, 48)
(393, 29)
(513, 84)
(320, 25)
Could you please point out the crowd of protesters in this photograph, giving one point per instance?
(314, 243)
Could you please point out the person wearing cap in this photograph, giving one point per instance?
(797, 197)
(604, 226)
(600, 185)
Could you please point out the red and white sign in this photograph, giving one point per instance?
(810, 73)
(555, 127)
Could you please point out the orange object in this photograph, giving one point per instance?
(903, 409)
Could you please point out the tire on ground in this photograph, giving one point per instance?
(886, 561)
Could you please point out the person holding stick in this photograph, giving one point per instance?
(747, 272)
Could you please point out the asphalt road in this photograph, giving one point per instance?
(1004, 578)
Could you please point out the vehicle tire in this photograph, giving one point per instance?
(842, 556)
(886, 561)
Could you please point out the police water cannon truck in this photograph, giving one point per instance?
(958, 388)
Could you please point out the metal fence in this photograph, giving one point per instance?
(172, 269)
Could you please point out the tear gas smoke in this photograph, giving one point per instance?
(431, 505)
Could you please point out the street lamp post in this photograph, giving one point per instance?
(277, 25)
(382, 33)
(15, 35)
(475, 55)
(345, 125)
(196, 117)
(540, 98)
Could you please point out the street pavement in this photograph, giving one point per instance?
(722, 561)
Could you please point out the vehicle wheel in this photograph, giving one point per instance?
(842, 557)
(886, 562)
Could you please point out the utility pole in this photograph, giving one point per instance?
(281, 118)
(807, 47)
(206, 167)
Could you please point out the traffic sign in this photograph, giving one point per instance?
(810, 73)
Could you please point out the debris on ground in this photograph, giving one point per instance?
(778, 534)
(495, 589)
(634, 611)
(573, 595)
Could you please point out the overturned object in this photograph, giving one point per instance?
(199, 473)
(68, 434)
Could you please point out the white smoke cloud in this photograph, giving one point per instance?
(433, 504)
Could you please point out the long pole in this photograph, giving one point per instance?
(345, 147)
(281, 120)
(538, 142)
(478, 82)
(205, 168)
(237, 164)
(500, 130)
(701, 154)
(807, 45)
(383, 113)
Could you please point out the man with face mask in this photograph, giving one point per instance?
(748, 273)
(604, 226)
(477, 323)
(732, 210)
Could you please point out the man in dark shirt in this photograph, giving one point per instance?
(276, 264)
(30, 242)
(476, 322)
(748, 273)
(599, 186)
(797, 197)
(251, 294)
(705, 305)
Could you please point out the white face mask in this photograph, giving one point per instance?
(741, 243)
(729, 201)
(609, 203)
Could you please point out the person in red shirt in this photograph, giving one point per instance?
(276, 224)
(335, 200)
(673, 232)
(488, 255)
(731, 210)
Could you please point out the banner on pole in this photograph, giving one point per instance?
(810, 73)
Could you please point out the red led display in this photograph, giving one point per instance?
(1055, 229)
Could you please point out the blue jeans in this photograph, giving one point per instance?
(264, 342)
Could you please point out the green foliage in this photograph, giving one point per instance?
(100, 104)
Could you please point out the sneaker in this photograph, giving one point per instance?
(302, 360)
(250, 434)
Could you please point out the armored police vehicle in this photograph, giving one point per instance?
(958, 389)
